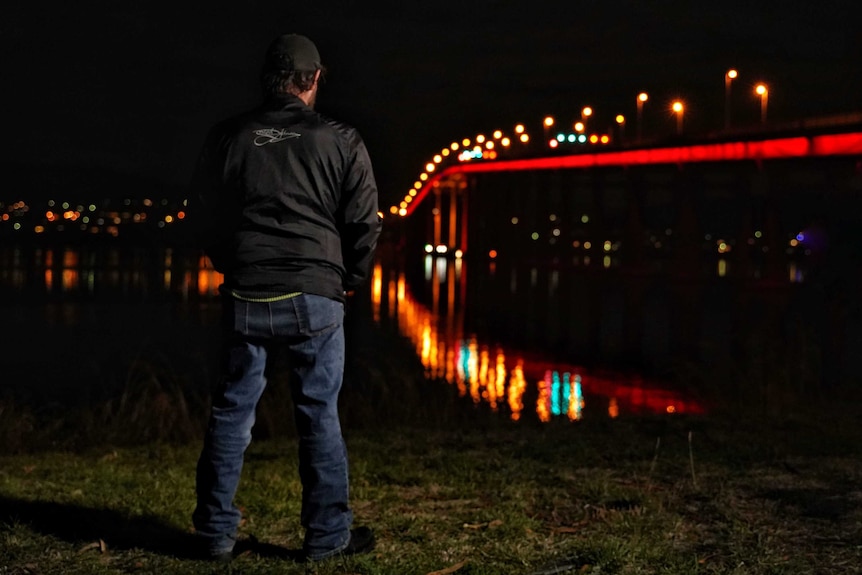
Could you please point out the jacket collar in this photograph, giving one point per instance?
(284, 101)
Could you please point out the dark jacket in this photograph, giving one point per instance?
(284, 200)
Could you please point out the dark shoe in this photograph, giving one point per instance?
(361, 541)
(221, 557)
(240, 547)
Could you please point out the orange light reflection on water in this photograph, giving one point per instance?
(209, 280)
(70, 280)
(517, 386)
(376, 290)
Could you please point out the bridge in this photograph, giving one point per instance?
(500, 195)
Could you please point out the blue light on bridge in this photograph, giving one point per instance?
(473, 154)
(571, 138)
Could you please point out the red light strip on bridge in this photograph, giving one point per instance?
(775, 149)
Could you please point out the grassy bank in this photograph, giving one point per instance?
(613, 496)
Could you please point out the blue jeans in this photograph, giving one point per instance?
(310, 329)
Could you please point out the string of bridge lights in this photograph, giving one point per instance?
(489, 148)
(479, 148)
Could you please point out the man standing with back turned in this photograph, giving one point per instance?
(287, 211)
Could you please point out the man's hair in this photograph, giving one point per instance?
(278, 82)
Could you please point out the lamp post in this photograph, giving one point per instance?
(763, 92)
(586, 113)
(621, 122)
(729, 76)
(547, 124)
(678, 109)
(642, 97)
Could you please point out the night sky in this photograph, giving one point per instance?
(131, 91)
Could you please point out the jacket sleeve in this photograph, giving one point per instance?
(207, 206)
(360, 222)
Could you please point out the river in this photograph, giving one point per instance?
(561, 340)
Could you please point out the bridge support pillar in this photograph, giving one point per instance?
(450, 198)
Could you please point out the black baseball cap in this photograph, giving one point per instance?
(292, 53)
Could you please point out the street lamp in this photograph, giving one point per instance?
(547, 124)
(728, 79)
(621, 122)
(763, 92)
(586, 113)
(678, 108)
(642, 97)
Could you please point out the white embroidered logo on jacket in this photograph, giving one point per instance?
(272, 136)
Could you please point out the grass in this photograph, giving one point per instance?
(623, 496)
